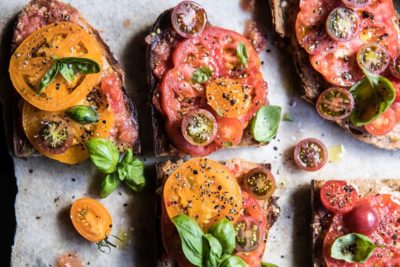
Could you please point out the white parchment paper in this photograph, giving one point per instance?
(47, 188)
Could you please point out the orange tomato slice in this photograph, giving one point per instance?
(228, 97)
(91, 219)
(32, 119)
(205, 190)
(33, 58)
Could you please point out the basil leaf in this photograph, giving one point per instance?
(265, 264)
(83, 114)
(130, 170)
(103, 153)
(225, 233)
(191, 237)
(227, 144)
(68, 72)
(287, 117)
(212, 251)
(373, 95)
(242, 55)
(109, 184)
(202, 75)
(232, 261)
(352, 248)
(265, 124)
(81, 65)
(50, 75)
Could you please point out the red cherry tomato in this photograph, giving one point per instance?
(310, 154)
(338, 196)
(335, 103)
(229, 132)
(342, 24)
(362, 219)
(383, 124)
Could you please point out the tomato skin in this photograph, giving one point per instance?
(91, 219)
(362, 219)
(229, 131)
(338, 196)
(310, 154)
(383, 124)
(396, 108)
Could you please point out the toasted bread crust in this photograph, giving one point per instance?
(321, 218)
(284, 14)
(21, 145)
(164, 170)
(162, 145)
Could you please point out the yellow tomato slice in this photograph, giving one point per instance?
(228, 97)
(91, 219)
(32, 119)
(34, 57)
(205, 190)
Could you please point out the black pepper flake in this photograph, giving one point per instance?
(30, 171)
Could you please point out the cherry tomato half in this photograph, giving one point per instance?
(395, 67)
(229, 132)
(91, 219)
(373, 58)
(248, 234)
(199, 127)
(356, 3)
(362, 219)
(310, 154)
(338, 196)
(335, 103)
(342, 24)
(260, 183)
(188, 19)
(383, 124)
(54, 136)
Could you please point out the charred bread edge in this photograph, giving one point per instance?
(284, 14)
(319, 225)
(163, 170)
(21, 145)
(162, 145)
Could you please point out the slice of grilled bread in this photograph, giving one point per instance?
(164, 170)
(284, 14)
(321, 218)
(55, 11)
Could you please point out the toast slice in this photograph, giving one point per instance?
(164, 170)
(284, 14)
(47, 12)
(161, 33)
(321, 218)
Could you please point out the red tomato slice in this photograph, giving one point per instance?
(338, 196)
(229, 131)
(396, 108)
(383, 124)
(396, 84)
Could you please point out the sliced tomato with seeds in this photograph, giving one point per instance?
(310, 154)
(383, 124)
(188, 19)
(248, 234)
(342, 24)
(229, 131)
(373, 58)
(199, 127)
(335, 103)
(396, 108)
(260, 183)
(338, 196)
(395, 67)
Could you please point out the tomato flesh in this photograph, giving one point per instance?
(229, 132)
(188, 19)
(383, 124)
(338, 196)
(310, 154)
(260, 183)
(247, 234)
(373, 57)
(199, 127)
(335, 103)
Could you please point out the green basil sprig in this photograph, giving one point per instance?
(212, 249)
(352, 248)
(241, 52)
(373, 95)
(265, 123)
(83, 114)
(68, 67)
(105, 156)
(202, 75)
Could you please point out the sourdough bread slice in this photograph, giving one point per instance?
(284, 14)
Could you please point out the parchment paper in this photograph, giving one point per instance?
(47, 188)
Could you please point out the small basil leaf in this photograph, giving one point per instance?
(225, 233)
(265, 264)
(109, 184)
(103, 153)
(287, 117)
(130, 170)
(83, 114)
(202, 75)
(352, 248)
(212, 251)
(242, 55)
(191, 237)
(81, 65)
(232, 261)
(373, 95)
(227, 144)
(67, 71)
(50, 75)
(265, 124)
